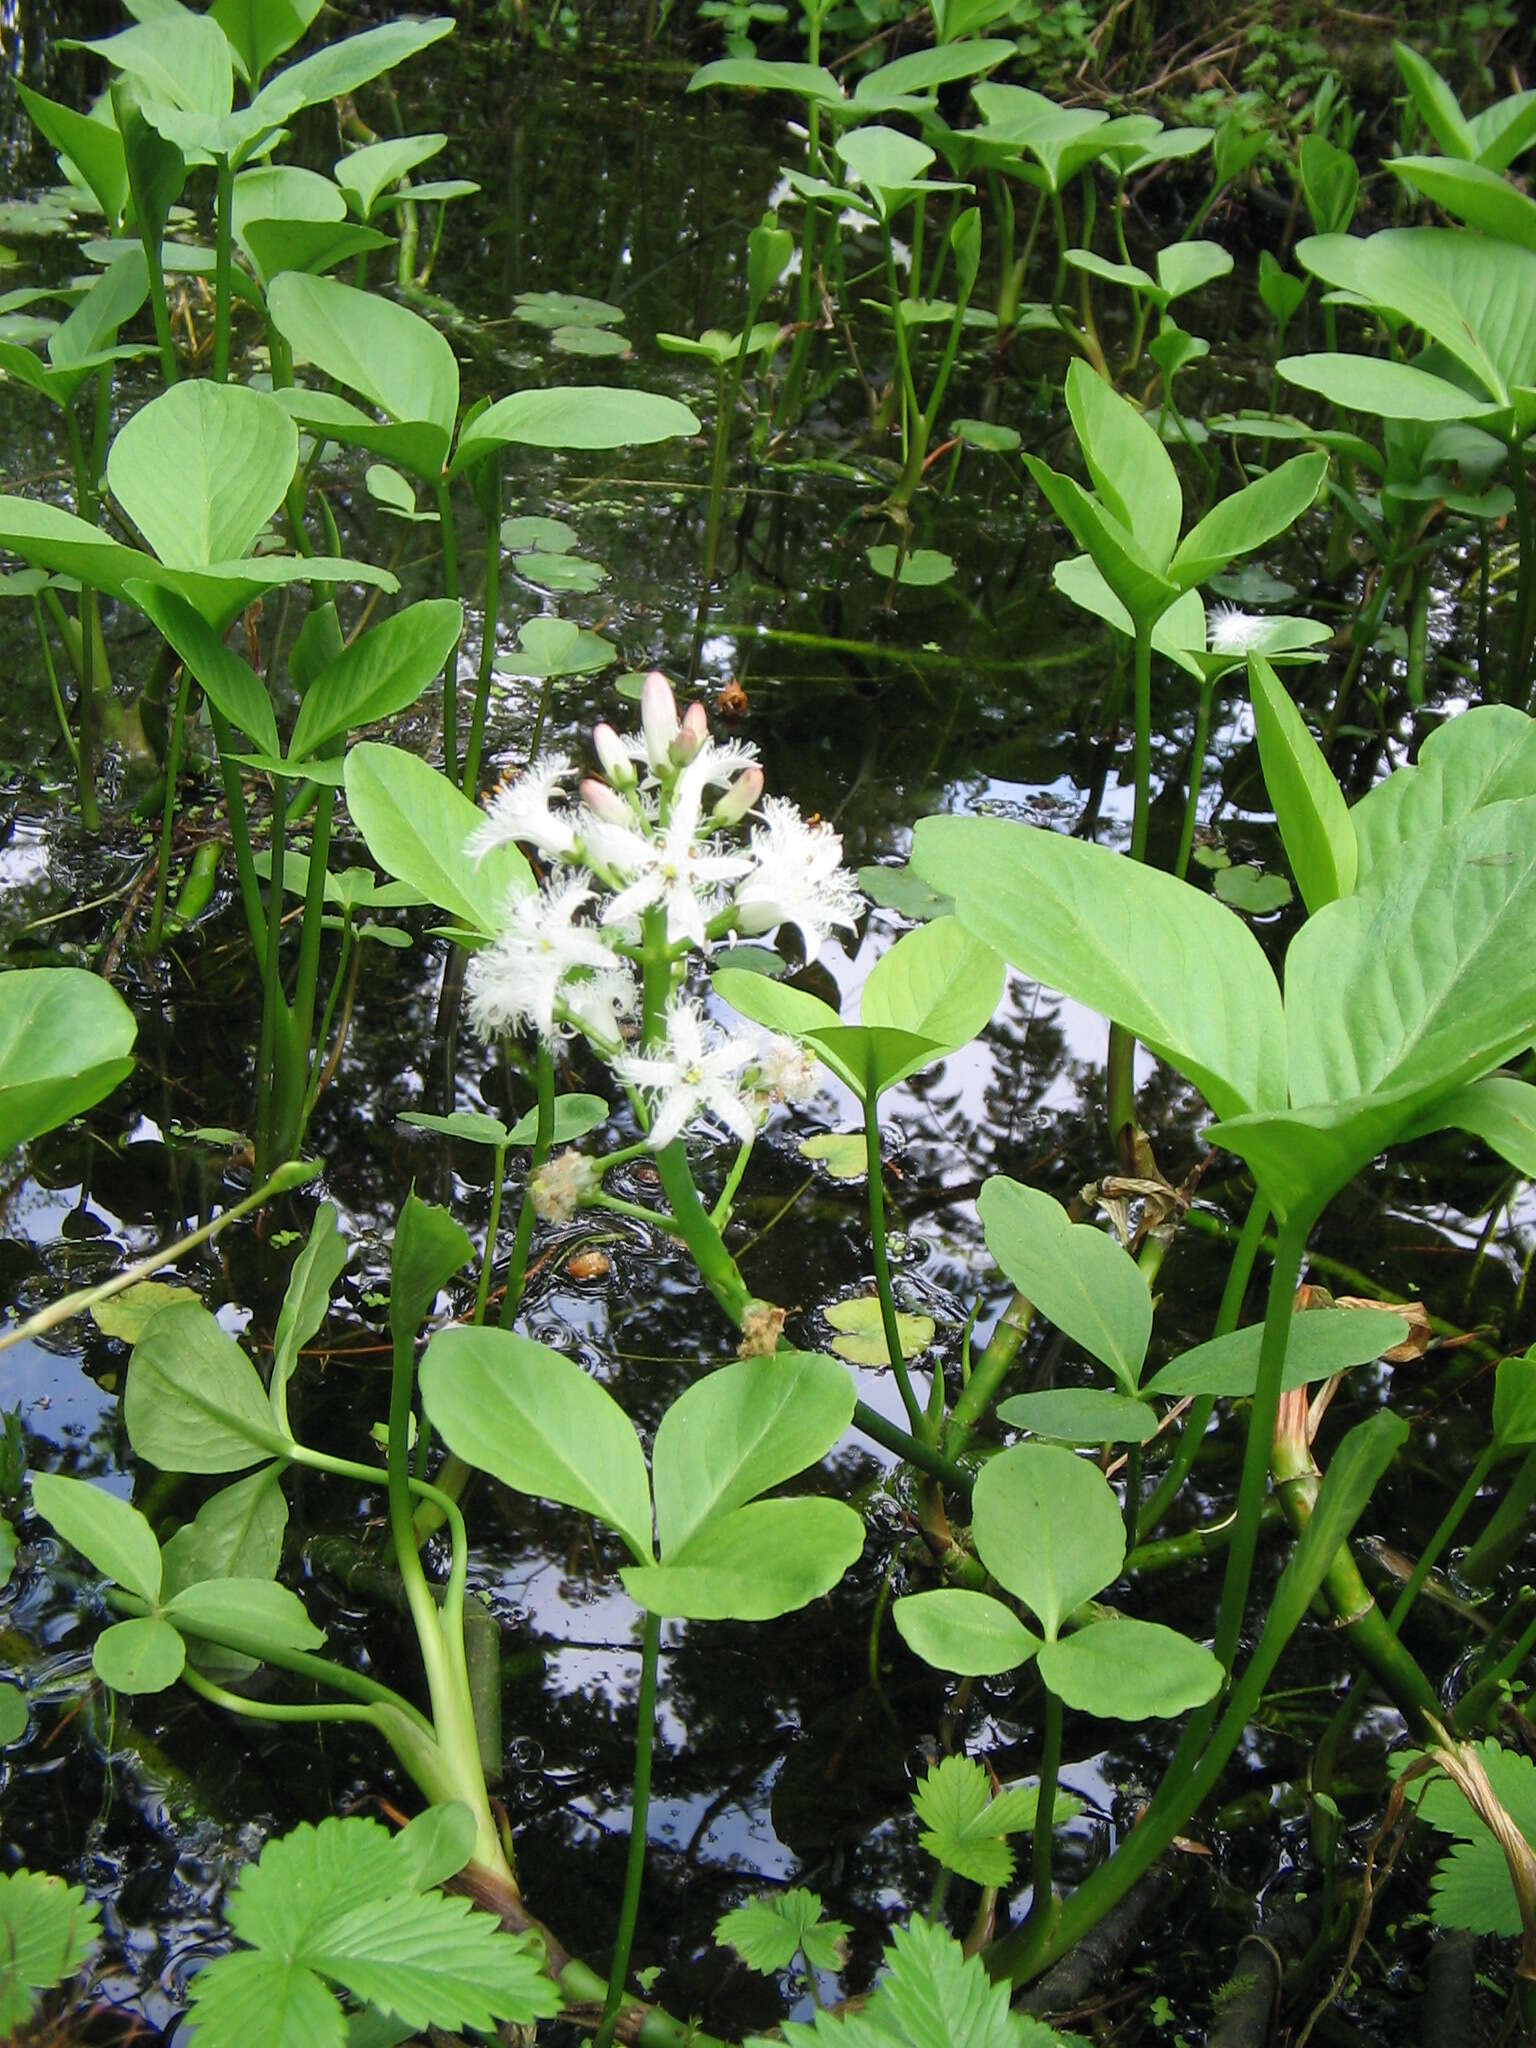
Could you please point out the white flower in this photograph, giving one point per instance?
(519, 812)
(1234, 631)
(797, 878)
(594, 1003)
(695, 1072)
(668, 866)
(516, 981)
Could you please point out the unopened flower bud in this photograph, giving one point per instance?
(562, 1184)
(603, 802)
(614, 760)
(691, 735)
(658, 718)
(739, 798)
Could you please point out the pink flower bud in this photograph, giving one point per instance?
(739, 798)
(616, 764)
(658, 718)
(604, 803)
(692, 734)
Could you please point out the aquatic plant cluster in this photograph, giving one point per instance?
(638, 907)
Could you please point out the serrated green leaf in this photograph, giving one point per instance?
(47, 1929)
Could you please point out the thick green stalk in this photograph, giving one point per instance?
(451, 665)
(223, 268)
(168, 810)
(917, 1420)
(517, 1269)
(488, 493)
(272, 975)
(1261, 1433)
(493, 1223)
(1196, 773)
(239, 830)
(1519, 685)
(1043, 1904)
(987, 1374)
(634, 1871)
(1119, 1075)
(439, 1630)
(717, 471)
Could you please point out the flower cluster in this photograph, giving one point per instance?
(647, 861)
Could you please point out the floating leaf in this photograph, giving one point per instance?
(861, 1332)
(127, 1315)
(921, 568)
(842, 1153)
(1247, 888)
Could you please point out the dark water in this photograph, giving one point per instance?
(780, 1758)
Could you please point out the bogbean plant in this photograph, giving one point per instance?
(616, 913)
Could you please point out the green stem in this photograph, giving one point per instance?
(634, 1872)
(517, 1269)
(1449, 1524)
(720, 1215)
(1143, 742)
(1523, 633)
(168, 811)
(223, 267)
(1261, 1433)
(1197, 1419)
(451, 665)
(916, 1452)
(286, 1178)
(917, 1421)
(911, 411)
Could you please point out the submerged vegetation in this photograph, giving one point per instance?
(315, 602)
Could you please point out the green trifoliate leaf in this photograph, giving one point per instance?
(966, 1829)
(770, 1931)
(955, 1630)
